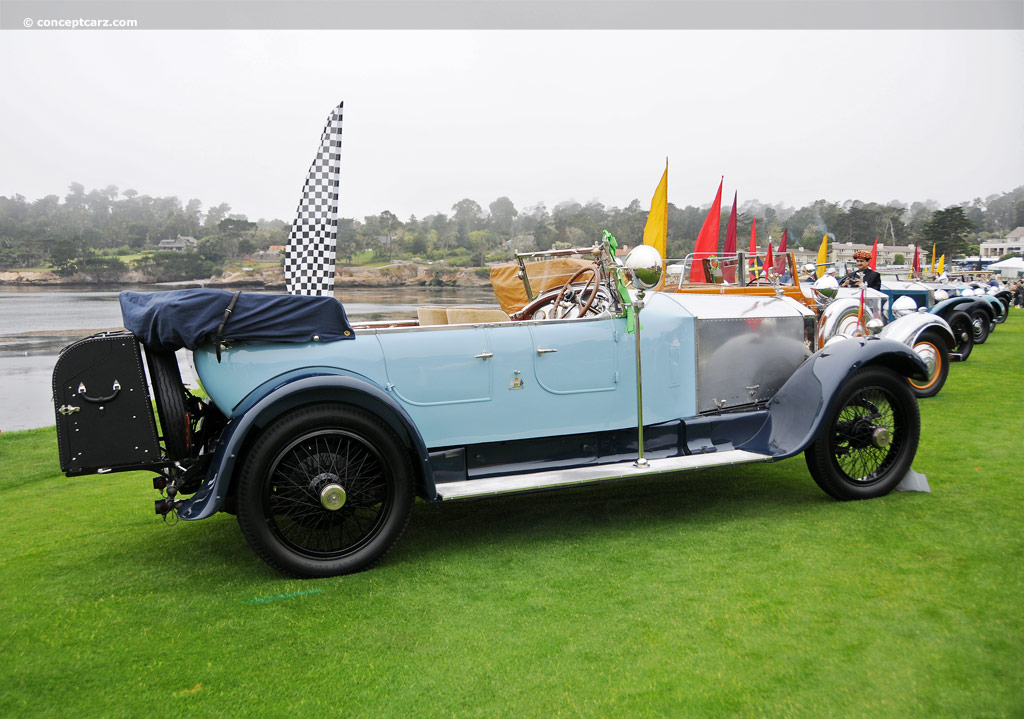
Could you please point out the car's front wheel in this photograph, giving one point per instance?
(326, 490)
(931, 347)
(980, 320)
(866, 444)
(963, 333)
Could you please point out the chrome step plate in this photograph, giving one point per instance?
(561, 478)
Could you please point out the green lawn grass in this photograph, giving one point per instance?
(738, 593)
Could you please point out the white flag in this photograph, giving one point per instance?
(309, 257)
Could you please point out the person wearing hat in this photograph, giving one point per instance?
(810, 272)
(863, 276)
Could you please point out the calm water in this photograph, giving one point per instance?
(35, 323)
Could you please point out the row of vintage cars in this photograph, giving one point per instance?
(941, 320)
(320, 433)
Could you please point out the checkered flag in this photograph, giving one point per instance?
(309, 258)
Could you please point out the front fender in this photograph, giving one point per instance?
(964, 304)
(994, 305)
(840, 318)
(908, 328)
(286, 392)
(797, 410)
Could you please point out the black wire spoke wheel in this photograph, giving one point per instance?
(326, 490)
(963, 333)
(866, 445)
(326, 461)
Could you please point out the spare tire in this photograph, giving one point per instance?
(171, 403)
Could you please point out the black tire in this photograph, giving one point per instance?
(963, 333)
(934, 350)
(845, 459)
(171, 403)
(296, 460)
(980, 320)
(1005, 302)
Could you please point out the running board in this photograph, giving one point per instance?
(592, 474)
(956, 357)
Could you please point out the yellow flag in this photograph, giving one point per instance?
(656, 231)
(822, 256)
(933, 261)
(942, 263)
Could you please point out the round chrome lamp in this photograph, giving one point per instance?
(825, 289)
(904, 306)
(644, 266)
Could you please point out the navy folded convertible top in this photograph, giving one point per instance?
(167, 321)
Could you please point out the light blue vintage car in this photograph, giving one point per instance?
(320, 437)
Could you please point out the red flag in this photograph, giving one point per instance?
(768, 264)
(707, 238)
(753, 250)
(917, 261)
(729, 272)
(780, 261)
(730, 229)
(874, 255)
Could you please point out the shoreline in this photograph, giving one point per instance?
(397, 274)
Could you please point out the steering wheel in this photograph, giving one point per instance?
(592, 280)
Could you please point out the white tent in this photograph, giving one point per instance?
(1013, 267)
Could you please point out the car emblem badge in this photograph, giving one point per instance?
(516, 383)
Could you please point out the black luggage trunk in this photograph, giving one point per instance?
(104, 415)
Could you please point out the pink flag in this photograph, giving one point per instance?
(874, 255)
(707, 238)
(917, 261)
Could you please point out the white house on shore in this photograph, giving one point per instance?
(178, 244)
(994, 249)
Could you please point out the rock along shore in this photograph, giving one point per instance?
(398, 274)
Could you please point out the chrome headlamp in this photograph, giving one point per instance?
(825, 289)
(904, 306)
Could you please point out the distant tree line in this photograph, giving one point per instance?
(91, 231)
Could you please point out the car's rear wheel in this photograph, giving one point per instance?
(980, 320)
(963, 333)
(326, 490)
(866, 444)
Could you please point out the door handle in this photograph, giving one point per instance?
(485, 355)
(542, 351)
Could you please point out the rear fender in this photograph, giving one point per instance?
(283, 394)
(798, 409)
(908, 328)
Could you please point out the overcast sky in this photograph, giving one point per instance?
(432, 117)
